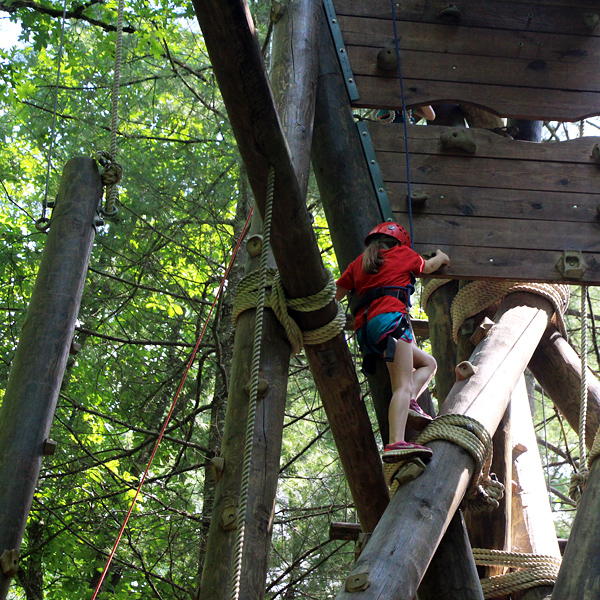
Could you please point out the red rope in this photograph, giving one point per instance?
(162, 431)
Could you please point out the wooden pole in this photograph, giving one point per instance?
(443, 346)
(293, 78)
(535, 531)
(352, 209)
(557, 367)
(579, 574)
(229, 35)
(38, 366)
(452, 574)
(403, 543)
(266, 451)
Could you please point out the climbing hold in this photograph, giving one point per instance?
(229, 518)
(74, 348)
(359, 580)
(409, 471)
(591, 20)
(482, 331)
(254, 245)
(596, 153)
(571, 264)
(451, 13)
(458, 139)
(418, 199)
(9, 562)
(217, 466)
(464, 370)
(263, 388)
(387, 60)
(361, 543)
(49, 447)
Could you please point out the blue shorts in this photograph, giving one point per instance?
(373, 339)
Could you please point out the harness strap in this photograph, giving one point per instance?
(402, 293)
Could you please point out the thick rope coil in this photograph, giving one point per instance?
(478, 295)
(253, 396)
(536, 570)
(246, 295)
(484, 491)
(429, 286)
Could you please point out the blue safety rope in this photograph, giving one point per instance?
(404, 120)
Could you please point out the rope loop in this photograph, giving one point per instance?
(535, 570)
(42, 224)
(246, 298)
(485, 491)
(479, 295)
(111, 175)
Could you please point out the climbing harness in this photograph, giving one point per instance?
(579, 478)
(173, 404)
(534, 570)
(43, 223)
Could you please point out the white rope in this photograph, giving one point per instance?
(254, 377)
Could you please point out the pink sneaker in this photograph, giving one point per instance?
(404, 450)
(417, 418)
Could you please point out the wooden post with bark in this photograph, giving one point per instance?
(235, 54)
(405, 540)
(38, 365)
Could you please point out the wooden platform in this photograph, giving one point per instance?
(529, 60)
(507, 211)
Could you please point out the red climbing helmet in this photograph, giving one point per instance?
(393, 230)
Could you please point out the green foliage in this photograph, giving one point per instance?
(153, 274)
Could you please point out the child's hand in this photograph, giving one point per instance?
(443, 256)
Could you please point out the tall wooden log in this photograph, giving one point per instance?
(403, 543)
(443, 346)
(266, 451)
(38, 366)
(452, 574)
(579, 575)
(531, 504)
(557, 367)
(235, 55)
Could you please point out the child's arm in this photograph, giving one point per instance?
(435, 262)
(340, 292)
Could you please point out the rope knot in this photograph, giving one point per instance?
(485, 491)
(246, 298)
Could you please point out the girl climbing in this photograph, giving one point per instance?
(383, 278)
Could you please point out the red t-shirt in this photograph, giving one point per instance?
(398, 264)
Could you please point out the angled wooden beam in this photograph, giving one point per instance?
(557, 367)
(405, 540)
(231, 42)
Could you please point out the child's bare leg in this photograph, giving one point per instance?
(425, 368)
(401, 375)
